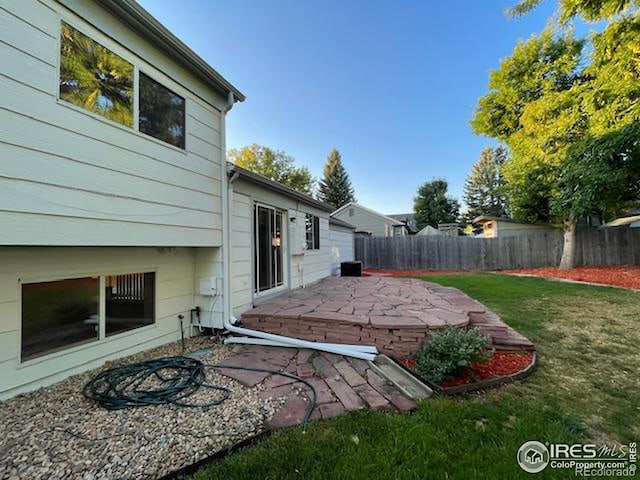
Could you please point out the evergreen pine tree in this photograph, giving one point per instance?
(483, 188)
(335, 186)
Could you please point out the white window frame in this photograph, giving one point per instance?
(137, 66)
(313, 233)
(102, 337)
(255, 254)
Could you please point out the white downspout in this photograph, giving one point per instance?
(228, 320)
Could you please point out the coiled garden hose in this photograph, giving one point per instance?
(179, 377)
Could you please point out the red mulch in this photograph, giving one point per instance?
(619, 276)
(499, 365)
(387, 272)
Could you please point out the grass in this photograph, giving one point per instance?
(586, 388)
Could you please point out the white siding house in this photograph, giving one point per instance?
(97, 211)
(304, 248)
(119, 216)
(366, 220)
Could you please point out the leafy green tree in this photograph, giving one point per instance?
(275, 165)
(335, 186)
(484, 187)
(603, 176)
(555, 103)
(432, 205)
(589, 10)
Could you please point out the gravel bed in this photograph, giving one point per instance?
(55, 433)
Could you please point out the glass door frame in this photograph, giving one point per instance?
(255, 254)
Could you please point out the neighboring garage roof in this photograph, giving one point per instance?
(252, 177)
(339, 223)
(623, 221)
(148, 27)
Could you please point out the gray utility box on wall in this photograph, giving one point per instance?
(351, 269)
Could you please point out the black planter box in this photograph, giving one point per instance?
(351, 269)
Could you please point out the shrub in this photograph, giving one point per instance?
(449, 352)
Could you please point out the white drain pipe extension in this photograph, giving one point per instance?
(262, 341)
(295, 342)
(227, 318)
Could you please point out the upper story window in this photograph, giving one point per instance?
(96, 79)
(161, 112)
(312, 231)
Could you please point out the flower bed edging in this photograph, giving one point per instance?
(480, 384)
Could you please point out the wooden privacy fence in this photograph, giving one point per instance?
(606, 246)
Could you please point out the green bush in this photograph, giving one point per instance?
(449, 352)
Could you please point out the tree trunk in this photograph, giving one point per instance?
(569, 248)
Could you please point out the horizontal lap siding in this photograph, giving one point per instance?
(174, 296)
(68, 178)
(241, 248)
(316, 264)
(341, 242)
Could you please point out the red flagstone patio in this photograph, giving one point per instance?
(341, 383)
(394, 314)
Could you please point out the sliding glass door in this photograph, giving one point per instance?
(268, 256)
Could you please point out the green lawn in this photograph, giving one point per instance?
(587, 387)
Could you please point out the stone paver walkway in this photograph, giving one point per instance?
(341, 383)
(394, 314)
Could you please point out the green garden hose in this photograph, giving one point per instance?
(167, 380)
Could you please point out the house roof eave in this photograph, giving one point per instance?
(131, 13)
(257, 179)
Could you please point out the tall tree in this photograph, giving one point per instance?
(335, 186)
(432, 205)
(566, 114)
(588, 10)
(275, 165)
(484, 186)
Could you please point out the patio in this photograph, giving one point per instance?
(394, 314)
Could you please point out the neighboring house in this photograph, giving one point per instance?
(429, 230)
(630, 222)
(408, 219)
(495, 227)
(366, 220)
(119, 217)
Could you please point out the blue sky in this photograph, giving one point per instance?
(391, 84)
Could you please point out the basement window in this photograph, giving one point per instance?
(312, 231)
(58, 315)
(62, 314)
(129, 301)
